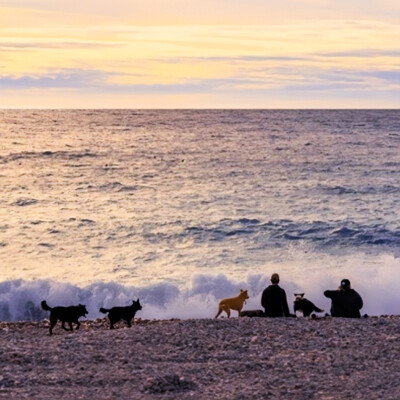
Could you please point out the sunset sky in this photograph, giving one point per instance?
(200, 54)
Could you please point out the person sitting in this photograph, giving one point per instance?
(273, 299)
(346, 302)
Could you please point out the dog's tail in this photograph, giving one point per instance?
(104, 310)
(45, 306)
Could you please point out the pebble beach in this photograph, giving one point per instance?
(237, 358)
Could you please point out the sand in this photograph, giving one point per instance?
(239, 358)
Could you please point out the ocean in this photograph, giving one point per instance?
(181, 208)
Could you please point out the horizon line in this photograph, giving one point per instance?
(199, 109)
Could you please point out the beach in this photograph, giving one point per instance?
(236, 358)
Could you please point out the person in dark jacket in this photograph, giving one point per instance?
(346, 302)
(273, 299)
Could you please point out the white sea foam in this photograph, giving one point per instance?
(378, 285)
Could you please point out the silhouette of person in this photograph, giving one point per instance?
(346, 302)
(273, 299)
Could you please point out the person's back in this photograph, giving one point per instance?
(273, 299)
(346, 302)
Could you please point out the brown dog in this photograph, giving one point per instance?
(232, 303)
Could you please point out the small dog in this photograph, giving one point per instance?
(303, 305)
(69, 314)
(232, 303)
(252, 313)
(115, 314)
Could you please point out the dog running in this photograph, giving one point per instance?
(232, 303)
(69, 314)
(115, 314)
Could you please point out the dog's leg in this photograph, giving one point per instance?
(78, 324)
(53, 322)
(128, 321)
(228, 311)
(71, 328)
(219, 312)
(63, 326)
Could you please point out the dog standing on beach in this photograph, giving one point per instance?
(69, 314)
(115, 314)
(304, 306)
(232, 303)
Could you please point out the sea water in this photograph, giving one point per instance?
(182, 208)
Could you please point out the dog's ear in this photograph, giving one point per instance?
(241, 290)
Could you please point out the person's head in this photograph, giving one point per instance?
(275, 279)
(345, 284)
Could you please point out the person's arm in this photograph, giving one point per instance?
(285, 304)
(264, 299)
(359, 301)
(330, 293)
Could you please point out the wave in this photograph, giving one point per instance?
(22, 202)
(20, 299)
(64, 155)
(278, 233)
(118, 187)
(364, 190)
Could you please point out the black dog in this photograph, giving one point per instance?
(252, 313)
(305, 306)
(69, 314)
(115, 314)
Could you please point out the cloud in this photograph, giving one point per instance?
(293, 78)
(362, 53)
(55, 45)
(65, 79)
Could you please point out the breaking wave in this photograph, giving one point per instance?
(20, 299)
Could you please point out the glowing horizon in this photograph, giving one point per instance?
(192, 54)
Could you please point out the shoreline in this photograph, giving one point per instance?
(236, 358)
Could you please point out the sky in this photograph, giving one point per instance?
(200, 54)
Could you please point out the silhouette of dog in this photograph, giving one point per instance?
(69, 314)
(115, 314)
(232, 303)
(252, 313)
(303, 305)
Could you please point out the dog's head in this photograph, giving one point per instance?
(136, 305)
(82, 310)
(243, 294)
(298, 296)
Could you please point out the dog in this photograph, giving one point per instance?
(305, 306)
(69, 314)
(115, 314)
(252, 313)
(232, 303)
